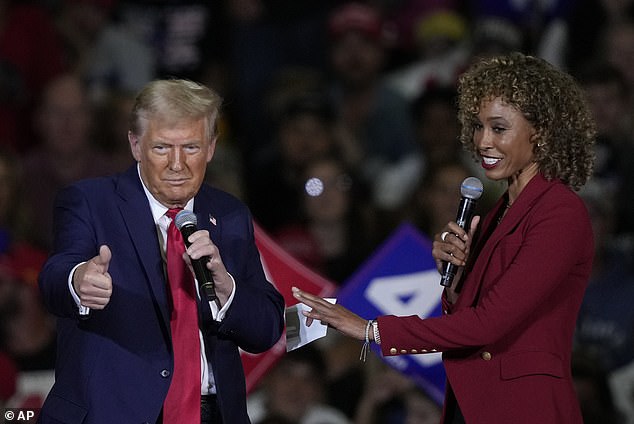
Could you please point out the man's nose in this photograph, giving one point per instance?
(176, 158)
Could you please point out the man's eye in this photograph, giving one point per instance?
(192, 149)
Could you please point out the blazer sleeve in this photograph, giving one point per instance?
(548, 255)
(255, 319)
(74, 242)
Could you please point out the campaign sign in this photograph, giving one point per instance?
(284, 272)
(401, 278)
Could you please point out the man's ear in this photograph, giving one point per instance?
(212, 148)
(135, 145)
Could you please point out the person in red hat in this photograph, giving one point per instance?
(374, 113)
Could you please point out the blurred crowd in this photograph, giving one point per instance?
(339, 124)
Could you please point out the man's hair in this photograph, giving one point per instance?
(175, 100)
(551, 100)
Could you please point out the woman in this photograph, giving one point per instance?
(506, 334)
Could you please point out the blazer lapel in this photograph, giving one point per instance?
(485, 248)
(139, 222)
(207, 216)
(207, 219)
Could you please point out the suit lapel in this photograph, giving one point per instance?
(139, 222)
(207, 215)
(207, 220)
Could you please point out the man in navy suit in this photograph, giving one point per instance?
(106, 280)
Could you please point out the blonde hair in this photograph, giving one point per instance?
(173, 101)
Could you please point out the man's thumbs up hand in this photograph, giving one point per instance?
(92, 282)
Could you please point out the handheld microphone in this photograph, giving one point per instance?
(186, 222)
(471, 190)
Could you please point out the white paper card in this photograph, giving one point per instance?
(298, 333)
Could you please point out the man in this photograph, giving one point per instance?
(107, 284)
(66, 153)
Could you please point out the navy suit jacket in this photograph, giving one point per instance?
(115, 366)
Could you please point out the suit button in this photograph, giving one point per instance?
(486, 356)
(393, 351)
(165, 373)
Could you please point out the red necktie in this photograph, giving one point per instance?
(182, 404)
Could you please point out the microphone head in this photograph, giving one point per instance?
(185, 217)
(471, 188)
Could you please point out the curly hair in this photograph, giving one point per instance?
(549, 99)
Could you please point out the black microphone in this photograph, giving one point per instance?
(186, 222)
(471, 190)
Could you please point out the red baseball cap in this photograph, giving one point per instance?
(356, 17)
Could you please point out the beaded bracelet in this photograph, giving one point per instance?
(366, 343)
(375, 329)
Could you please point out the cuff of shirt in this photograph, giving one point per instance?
(83, 310)
(222, 312)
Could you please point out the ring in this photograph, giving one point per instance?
(443, 235)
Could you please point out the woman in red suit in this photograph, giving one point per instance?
(506, 331)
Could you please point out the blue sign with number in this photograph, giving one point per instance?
(401, 278)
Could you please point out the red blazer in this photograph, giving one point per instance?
(507, 340)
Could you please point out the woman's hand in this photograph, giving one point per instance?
(334, 315)
(453, 245)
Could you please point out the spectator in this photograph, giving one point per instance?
(66, 153)
(605, 326)
(345, 375)
(31, 55)
(435, 201)
(437, 129)
(19, 259)
(335, 229)
(391, 398)
(27, 330)
(266, 36)
(404, 19)
(442, 50)
(111, 124)
(305, 130)
(104, 53)
(587, 21)
(543, 25)
(494, 35)
(617, 44)
(608, 96)
(185, 37)
(294, 390)
(372, 112)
